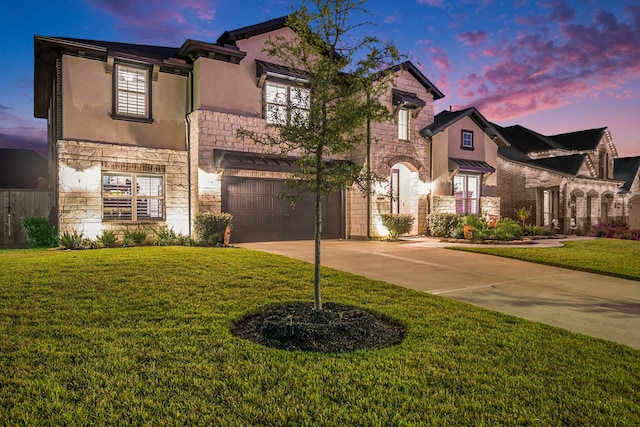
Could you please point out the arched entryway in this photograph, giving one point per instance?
(404, 185)
(606, 201)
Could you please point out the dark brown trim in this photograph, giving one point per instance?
(114, 91)
(462, 146)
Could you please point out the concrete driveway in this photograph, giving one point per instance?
(590, 304)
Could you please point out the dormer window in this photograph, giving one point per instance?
(131, 92)
(467, 140)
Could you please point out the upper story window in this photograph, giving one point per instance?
(467, 140)
(132, 92)
(603, 165)
(403, 124)
(285, 103)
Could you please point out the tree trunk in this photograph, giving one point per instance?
(317, 301)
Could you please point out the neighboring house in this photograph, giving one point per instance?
(464, 165)
(20, 168)
(567, 180)
(147, 136)
(627, 170)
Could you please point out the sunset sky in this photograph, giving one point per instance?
(553, 66)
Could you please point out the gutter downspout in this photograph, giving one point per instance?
(188, 120)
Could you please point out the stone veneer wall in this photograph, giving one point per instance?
(211, 130)
(447, 204)
(80, 187)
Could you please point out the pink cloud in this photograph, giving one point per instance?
(473, 38)
(535, 72)
(391, 19)
(176, 17)
(437, 55)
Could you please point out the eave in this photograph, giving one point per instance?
(194, 49)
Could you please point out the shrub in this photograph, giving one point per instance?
(39, 231)
(69, 240)
(533, 230)
(397, 224)
(209, 228)
(507, 229)
(481, 230)
(523, 214)
(165, 236)
(107, 239)
(134, 237)
(443, 224)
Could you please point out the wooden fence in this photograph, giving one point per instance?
(16, 204)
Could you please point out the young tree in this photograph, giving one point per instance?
(336, 92)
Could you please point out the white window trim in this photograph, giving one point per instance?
(404, 120)
(293, 107)
(466, 200)
(462, 141)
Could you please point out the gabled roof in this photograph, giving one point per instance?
(232, 36)
(444, 119)
(564, 165)
(528, 141)
(568, 165)
(417, 74)
(582, 140)
(21, 168)
(626, 169)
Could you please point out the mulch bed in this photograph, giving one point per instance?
(336, 328)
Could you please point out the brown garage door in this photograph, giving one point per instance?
(260, 215)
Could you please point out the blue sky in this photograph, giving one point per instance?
(553, 66)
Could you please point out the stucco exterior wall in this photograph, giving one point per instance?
(447, 144)
(87, 92)
(80, 187)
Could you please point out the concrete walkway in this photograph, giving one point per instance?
(591, 304)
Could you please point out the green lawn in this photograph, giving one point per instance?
(141, 336)
(613, 257)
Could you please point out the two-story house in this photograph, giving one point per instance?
(143, 136)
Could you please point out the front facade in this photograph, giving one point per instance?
(464, 147)
(147, 136)
(567, 180)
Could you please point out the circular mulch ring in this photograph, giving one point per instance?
(336, 328)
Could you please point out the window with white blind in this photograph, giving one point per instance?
(132, 197)
(132, 92)
(286, 104)
(466, 190)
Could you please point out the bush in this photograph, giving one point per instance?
(39, 231)
(507, 229)
(107, 239)
(533, 230)
(69, 240)
(443, 224)
(134, 237)
(615, 232)
(397, 224)
(165, 236)
(209, 228)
